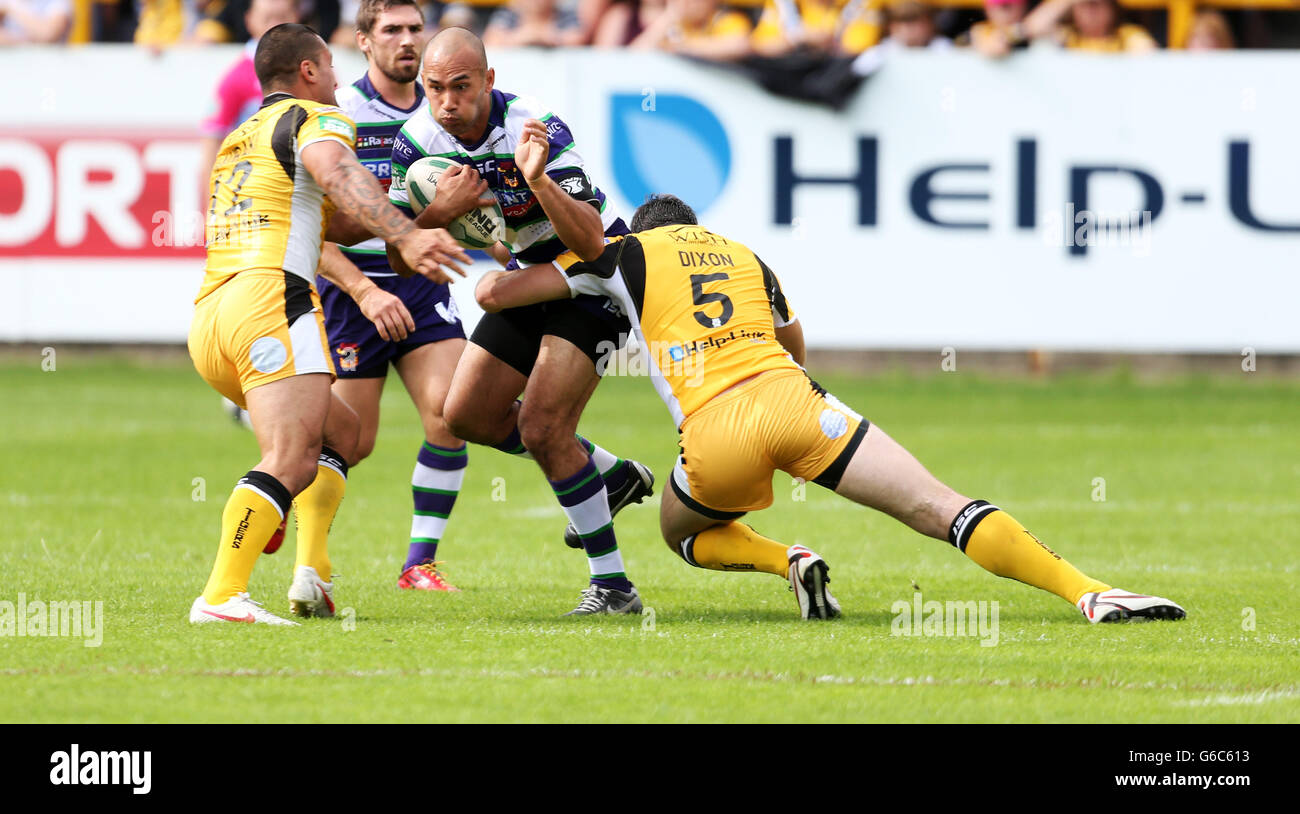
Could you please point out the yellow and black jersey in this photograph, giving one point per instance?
(265, 211)
(704, 308)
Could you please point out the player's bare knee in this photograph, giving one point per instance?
(437, 431)
(295, 470)
(467, 423)
(365, 446)
(542, 429)
(347, 443)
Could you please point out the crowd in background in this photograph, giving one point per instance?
(707, 29)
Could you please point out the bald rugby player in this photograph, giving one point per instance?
(522, 154)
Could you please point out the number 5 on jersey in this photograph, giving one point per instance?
(701, 297)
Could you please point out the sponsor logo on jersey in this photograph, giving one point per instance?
(679, 352)
(573, 184)
(382, 141)
(332, 125)
(383, 170)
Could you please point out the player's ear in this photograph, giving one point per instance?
(489, 80)
(362, 45)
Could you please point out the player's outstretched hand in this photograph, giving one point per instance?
(532, 152)
(392, 321)
(430, 252)
(461, 189)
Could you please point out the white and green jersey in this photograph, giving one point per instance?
(530, 237)
(378, 123)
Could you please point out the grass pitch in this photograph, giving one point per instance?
(101, 503)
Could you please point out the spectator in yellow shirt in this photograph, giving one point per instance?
(698, 28)
(162, 23)
(1002, 30)
(830, 26)
(1092, 25)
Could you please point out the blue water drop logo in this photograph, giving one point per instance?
(678, 147)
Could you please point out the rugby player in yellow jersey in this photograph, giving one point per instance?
(258, 336)
(726, 351)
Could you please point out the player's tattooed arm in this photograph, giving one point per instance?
(497, 290)
(360, 199)
(363, 203)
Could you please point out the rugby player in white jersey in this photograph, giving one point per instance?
(527, 157)
(376, 318)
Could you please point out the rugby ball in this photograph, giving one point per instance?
(476, 229)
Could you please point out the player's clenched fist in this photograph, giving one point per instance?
(532, 152)
(429, 251)
(460, 189)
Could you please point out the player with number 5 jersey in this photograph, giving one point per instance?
(726, 354)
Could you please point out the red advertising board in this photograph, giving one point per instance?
(102, 194)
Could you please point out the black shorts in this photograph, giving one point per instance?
(592, 324)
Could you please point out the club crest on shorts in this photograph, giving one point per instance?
(449, 312)
(348, 356)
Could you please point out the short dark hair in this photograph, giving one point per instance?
(369, 11)
(662, 210)
(281, 50)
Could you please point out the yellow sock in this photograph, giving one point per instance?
(736, 547)
(315, 507)
(252, 514)
(994, 539)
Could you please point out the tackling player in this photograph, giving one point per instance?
(258, 337)
(525, 156)
(376, 318)
(727, 354)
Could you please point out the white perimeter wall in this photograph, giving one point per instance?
(955, 232)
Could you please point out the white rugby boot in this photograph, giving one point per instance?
(238, 608)
(1117, 605)
(309, 595)
(808, 576)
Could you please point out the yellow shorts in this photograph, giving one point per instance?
(780, 420)
(260, 327)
